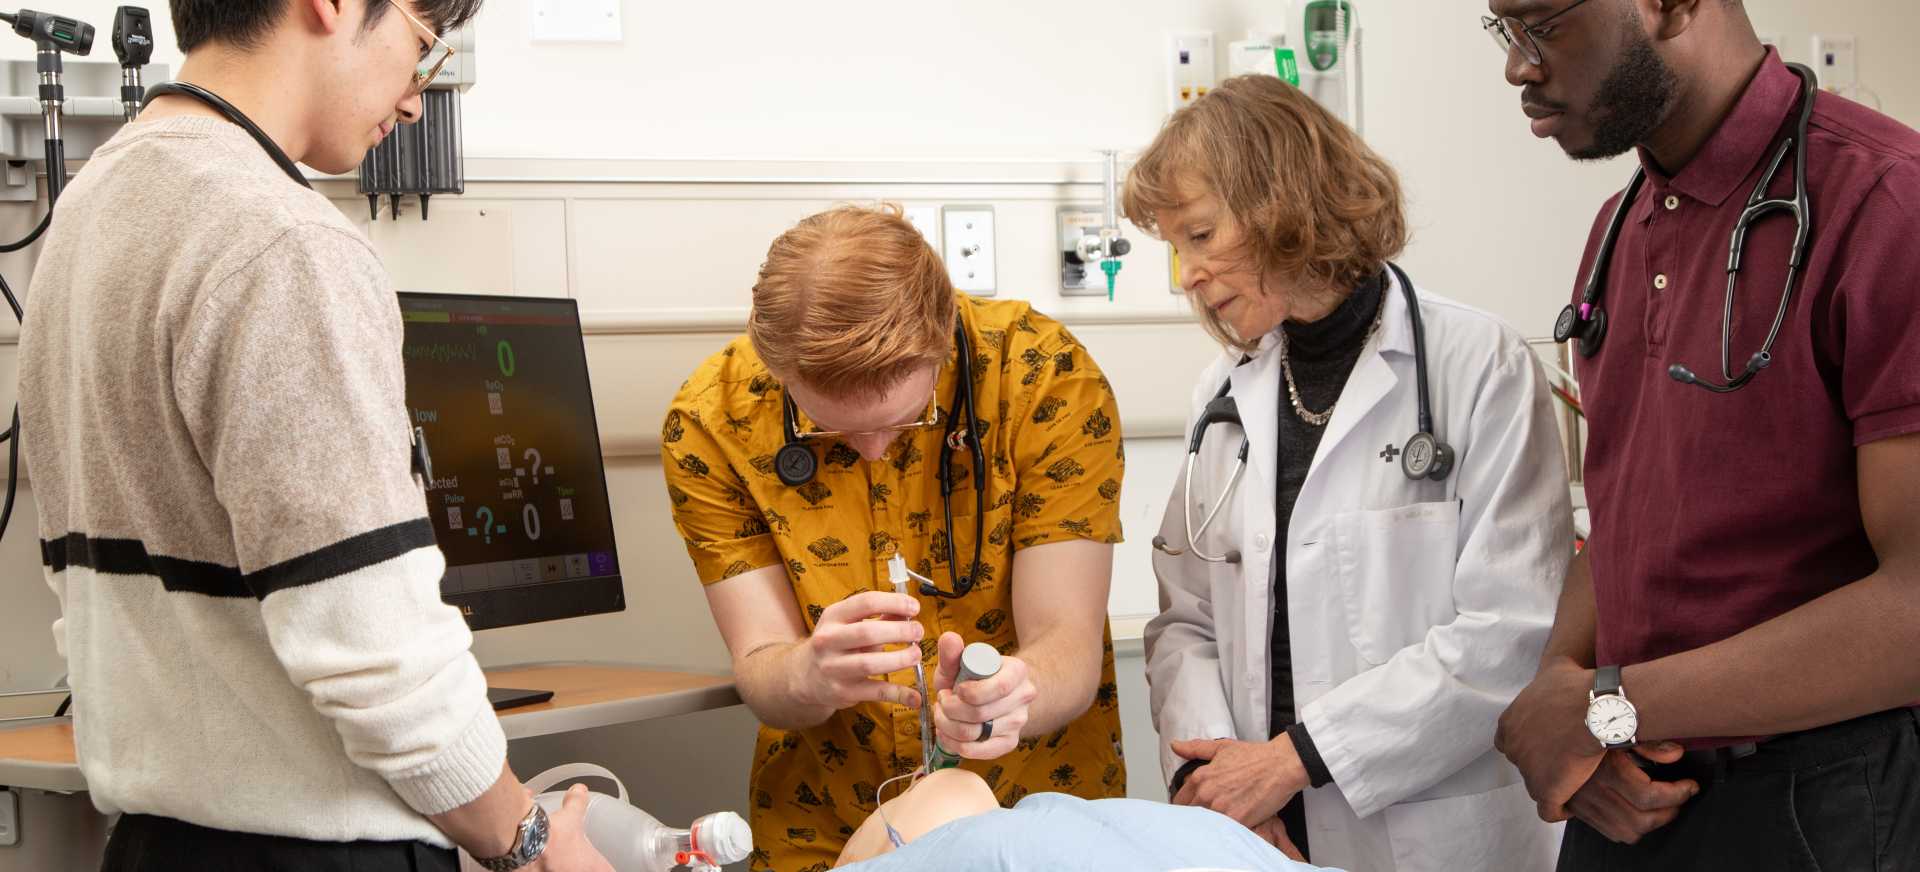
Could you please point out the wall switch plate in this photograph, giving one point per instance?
(1190, 70)
(9, 819)
(575, 20)
(925, 219)
(970, 250)
(1836, 60)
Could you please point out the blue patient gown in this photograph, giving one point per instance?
(1052, 831)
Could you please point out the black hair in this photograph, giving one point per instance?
(244, 23)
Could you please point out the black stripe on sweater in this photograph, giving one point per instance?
(130, 557)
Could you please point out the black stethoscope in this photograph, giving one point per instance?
(418, 455)
(796, 465)
(1587, 321)
(233, 114)
(1423, 458)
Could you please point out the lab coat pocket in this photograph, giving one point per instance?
(1496, 830)
(1395, 570)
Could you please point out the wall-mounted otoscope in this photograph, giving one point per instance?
(133, 45)
(53, 35)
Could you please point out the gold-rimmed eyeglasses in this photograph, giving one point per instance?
(930, 418)
(435, 57)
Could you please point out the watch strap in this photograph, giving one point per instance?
(1606, 680)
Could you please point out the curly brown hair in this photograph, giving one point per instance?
(1312, 200)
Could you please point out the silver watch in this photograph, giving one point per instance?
(1611, 719)
(528, 843)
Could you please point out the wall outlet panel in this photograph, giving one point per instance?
(970, 251)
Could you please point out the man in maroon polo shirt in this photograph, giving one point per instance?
(1751, 591)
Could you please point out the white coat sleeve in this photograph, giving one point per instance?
(1183, 652)
(1399, 728)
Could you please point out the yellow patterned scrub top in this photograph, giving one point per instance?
(1051, 436)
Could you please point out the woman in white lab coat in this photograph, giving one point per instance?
(1336, 645)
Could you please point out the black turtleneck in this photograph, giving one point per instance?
(1322, 355)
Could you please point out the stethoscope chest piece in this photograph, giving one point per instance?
(1426, 457)
(1590, 331)
(795, 464)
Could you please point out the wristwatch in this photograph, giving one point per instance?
(1610, 717)
(528, 843)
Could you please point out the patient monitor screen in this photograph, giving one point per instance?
(498, 388)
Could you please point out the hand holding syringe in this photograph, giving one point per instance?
(983, 698)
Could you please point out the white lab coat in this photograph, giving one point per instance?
(1416, 610)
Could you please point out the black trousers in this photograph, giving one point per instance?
(1841, 798)
(143, 843)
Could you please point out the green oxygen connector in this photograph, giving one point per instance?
(1110, 266)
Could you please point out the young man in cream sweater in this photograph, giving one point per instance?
(214, 412)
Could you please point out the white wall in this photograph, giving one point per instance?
(645, 179)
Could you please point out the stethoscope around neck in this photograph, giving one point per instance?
(1585, 323)
(1423, 458)
(796, 465)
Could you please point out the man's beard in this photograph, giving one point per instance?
(1633, 100)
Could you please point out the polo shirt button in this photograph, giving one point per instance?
(1260, 542)
(1660, 282)
(1673, 202)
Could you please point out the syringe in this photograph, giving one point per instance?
(898, 574)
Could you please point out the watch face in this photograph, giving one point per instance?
(1612, 720)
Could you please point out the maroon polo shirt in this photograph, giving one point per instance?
(1715, 513)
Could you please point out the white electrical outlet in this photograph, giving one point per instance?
(970, 250)
(925, 219)
(1190, 70)
(1836, 60)
(9, 819)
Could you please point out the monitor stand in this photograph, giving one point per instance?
(509, 697)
